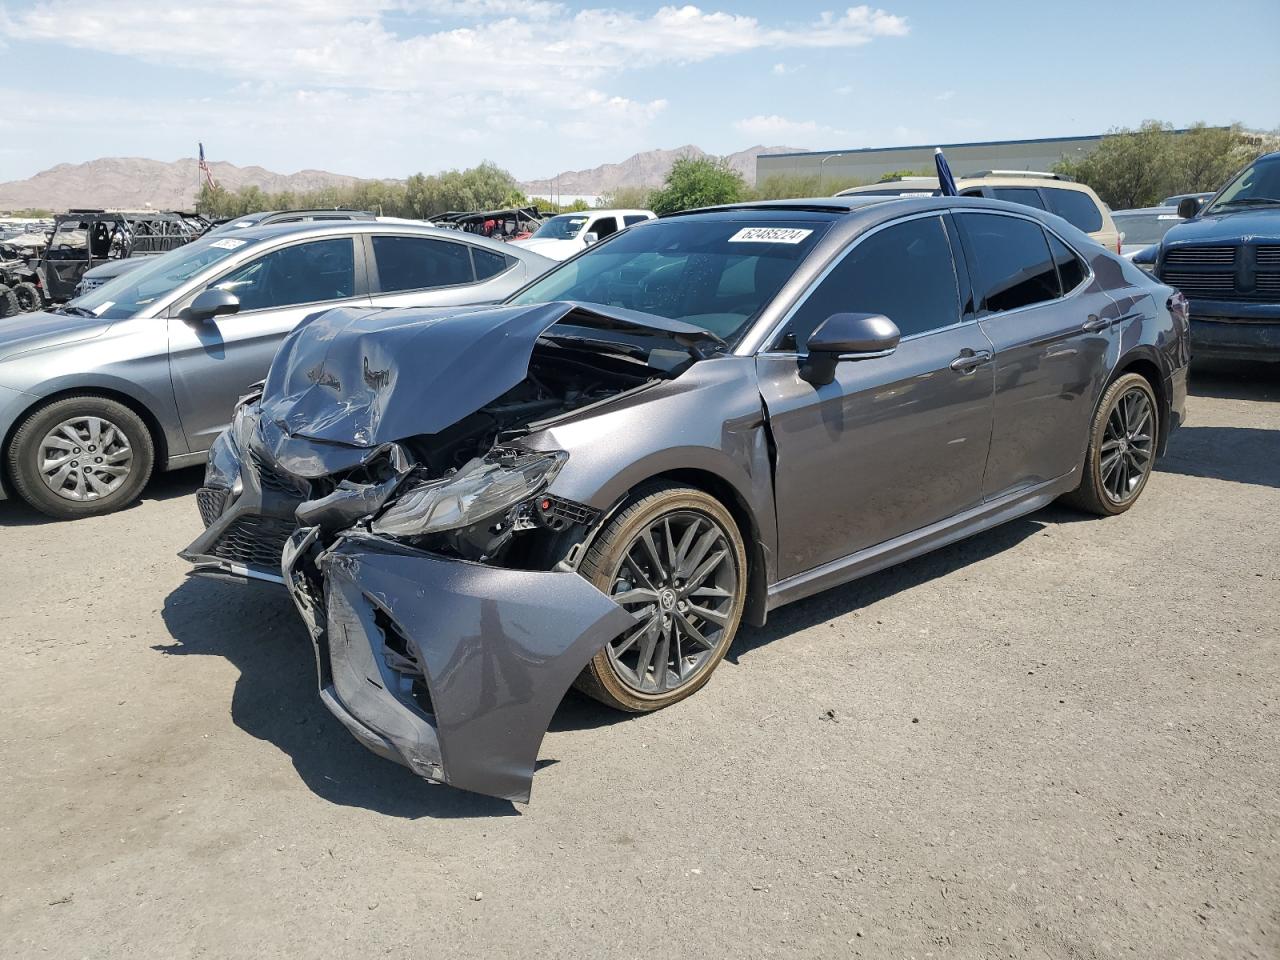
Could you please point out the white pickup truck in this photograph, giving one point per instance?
(562, 236)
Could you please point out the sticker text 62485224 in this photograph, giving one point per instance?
(769, 235)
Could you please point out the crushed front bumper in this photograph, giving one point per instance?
(451, 668)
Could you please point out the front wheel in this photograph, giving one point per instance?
(28, 297)
(1122, 448)
(673, 558)
(80, 456)
(8, 302)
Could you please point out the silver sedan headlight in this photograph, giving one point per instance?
(478, 491)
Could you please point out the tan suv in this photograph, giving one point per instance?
(1074, 202)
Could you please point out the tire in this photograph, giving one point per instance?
(1103, 489)
(618, 563)
(120, 466)
(8, 302)
(28, 296)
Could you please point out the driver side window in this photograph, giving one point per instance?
(905, 271)
(303, 273)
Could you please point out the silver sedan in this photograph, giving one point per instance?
(144, 372)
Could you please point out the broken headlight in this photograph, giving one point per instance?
(479, 489)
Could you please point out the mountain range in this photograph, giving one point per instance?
(136, 183)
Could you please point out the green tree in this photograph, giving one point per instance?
(626, 198)
(698, 182)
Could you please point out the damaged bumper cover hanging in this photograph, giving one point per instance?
(451, 668)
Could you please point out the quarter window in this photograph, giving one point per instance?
(904, 271)
(420, 263)
(488, 263)
(1071, 269)
(303, 273)
(1076, 207)
(1009, 261)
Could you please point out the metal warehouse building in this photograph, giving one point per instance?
(868, 164)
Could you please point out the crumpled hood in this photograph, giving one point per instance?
(34, 331)
(1227, 227)
(361, 378)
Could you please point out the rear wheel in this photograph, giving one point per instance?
(28, 296)
(1122, 448)
(673, 558)
(80, 456)
(8, 302)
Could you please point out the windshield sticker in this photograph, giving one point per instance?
(103, 308)
(228, 244)
(245, 223)
(1168, 216)
(769, 235)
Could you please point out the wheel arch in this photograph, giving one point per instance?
(158, 437)
(1146, 366)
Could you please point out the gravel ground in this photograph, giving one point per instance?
(1058, 739)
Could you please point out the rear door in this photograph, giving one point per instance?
(1051, 345)
(894, 443)
(407, 271)
(212, 363)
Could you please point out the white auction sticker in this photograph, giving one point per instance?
(769, 235)
(1168, 216)
(228, 244)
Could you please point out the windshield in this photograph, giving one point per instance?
(563, 227)
(127, 294)
(1145, 228)
(717, 274)
(1258, 184)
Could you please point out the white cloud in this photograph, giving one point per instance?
(439, 65)
(775, 128)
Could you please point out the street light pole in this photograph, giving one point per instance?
(822, 165)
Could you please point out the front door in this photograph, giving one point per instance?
(894, 443)
(212, 363)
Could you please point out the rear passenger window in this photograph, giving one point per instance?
(1076, 207)
(904, 272)
(420, 263)
(1027, 196)
(1009, 260)
(488, 263)
(1071, 269)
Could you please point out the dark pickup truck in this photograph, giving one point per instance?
(1226, 261)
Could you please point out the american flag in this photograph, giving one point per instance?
(204, 168)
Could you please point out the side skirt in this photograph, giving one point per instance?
(940, 534)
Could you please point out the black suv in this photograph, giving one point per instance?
(1226, 261)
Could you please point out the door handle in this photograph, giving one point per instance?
(1095, 323)
(970, 360)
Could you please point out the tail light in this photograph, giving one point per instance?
(1179, 307)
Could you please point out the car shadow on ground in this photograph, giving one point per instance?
(1232, 380)
(175, 484)
(275, 699)
(1235, 454)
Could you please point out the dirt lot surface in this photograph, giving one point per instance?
(1059, 739)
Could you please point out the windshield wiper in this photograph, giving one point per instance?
(77, 311)
(1242, 201)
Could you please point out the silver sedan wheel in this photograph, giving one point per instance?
(85, 458)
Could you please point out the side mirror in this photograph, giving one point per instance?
(590, 238)
(1146, 257)
(1188, 207)
(211, 303)
(847, 336)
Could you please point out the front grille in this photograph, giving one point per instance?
(1269, 256)
(1201, 284)
(211, 501)
(257, 541)
(568, 512)
(272, 479)
(1202, 256)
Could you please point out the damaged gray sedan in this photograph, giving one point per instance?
(684, 427)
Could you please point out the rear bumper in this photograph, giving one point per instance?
(1235, 338)
(453, 669)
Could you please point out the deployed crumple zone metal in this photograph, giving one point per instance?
(453, 669)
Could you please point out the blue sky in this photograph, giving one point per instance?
(390, 87)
